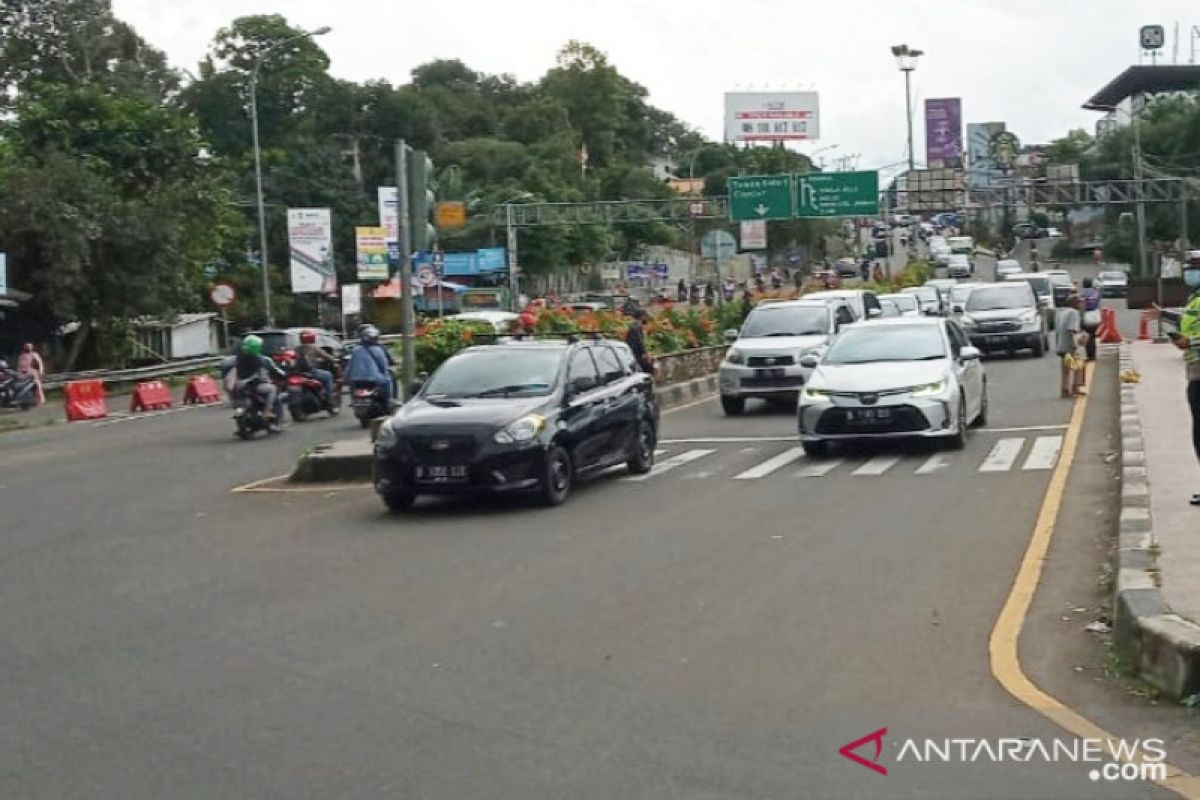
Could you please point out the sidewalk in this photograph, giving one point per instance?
(1172, 472)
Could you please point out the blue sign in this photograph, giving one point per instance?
(648, 272)
(467, 262)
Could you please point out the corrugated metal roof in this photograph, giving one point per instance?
(179, 321)
(1145, 79)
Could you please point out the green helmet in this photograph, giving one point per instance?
(252, 345)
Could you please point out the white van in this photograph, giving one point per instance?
(961, 244)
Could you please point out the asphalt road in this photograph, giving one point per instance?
(718, 630)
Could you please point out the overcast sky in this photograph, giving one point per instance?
(1029, 63)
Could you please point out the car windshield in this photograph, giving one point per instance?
(926, 293)
(278, 341)
(496, 372)
(1061, 279)
(904, 302)
(1040, 285)
(870, 344)
(1112, 276)
(787, 321)
(960, 293)
(993, 298)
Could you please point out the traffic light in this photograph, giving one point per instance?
(421, 200)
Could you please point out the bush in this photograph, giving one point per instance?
(441, 339)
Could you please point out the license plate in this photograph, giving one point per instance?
(770, 374)
(442, 474)
(869, 414)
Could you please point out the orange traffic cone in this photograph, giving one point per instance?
(1144, 327)
(1111, 335)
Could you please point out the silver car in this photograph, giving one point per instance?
(764, 361)
(907, 304)
(891, 379)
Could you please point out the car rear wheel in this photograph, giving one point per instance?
(815, 449)
(959, 440)
(1039, 348)
(643, 457)
(556, 480)
(732, 406)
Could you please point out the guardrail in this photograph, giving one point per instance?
(155, 371)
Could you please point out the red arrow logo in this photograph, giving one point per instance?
(847, 750)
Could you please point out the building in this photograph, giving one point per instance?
(1128, 93)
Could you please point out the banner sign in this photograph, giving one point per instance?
(754, 234)
(468, 262)
(943, 132)
(3, 273)
(659, 272)
(372, 249)
(310, 245)
(982, 170)
(351, 299)
(389, 219)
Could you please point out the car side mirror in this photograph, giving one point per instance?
(584, 383)
(872, 313)
(969, 354)
(809, 361)
(731, 335)
(415, 387)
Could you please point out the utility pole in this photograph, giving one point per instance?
(1139, 194)
(511, 231)
(908, 111)
(407, 356)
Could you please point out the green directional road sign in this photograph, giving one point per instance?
(837, 194)
(761, 197)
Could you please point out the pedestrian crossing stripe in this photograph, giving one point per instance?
(1004, 456)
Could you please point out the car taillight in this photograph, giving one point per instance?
(295, 380)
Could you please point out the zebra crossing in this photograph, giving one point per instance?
(1009, 454)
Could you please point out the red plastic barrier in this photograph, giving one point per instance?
(201, 389)
(85, 400)
(1144, 327)
(150, 396)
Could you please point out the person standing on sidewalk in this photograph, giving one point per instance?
(1188, 340)
(1067, 328)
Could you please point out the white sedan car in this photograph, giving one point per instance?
(893, 379)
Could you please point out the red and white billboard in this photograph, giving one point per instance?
(771, 117)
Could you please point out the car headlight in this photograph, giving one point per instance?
(967, 322)
(1029, 317)
(387, 438)
(816, 394)
(523, 430)
(735, 356)
(929, 389)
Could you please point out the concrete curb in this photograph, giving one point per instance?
(354, 460)
(1165, 647)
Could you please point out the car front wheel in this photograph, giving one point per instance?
(815, 449)
(732, 406)
(643, 456)
(399, 501)
(959, 440)
(556, 478)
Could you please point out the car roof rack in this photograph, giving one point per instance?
(569, 337)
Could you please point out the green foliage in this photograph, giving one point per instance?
(441, 339)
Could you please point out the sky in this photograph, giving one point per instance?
(1028, 63)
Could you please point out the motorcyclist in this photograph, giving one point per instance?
(316, 362)
(370, 362)
(255, 372)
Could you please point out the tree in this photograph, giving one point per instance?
(1070, 148)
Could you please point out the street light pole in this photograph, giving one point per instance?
(258, 180)
(906, 59)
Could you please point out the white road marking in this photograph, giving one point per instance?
(935, 463)
(771, 464)
(703, 474)
(877, 465)
(1044, 454)
(1002, 456)
(1026, 429)
(818, 469)
(659, 453)
(729, 440)
(686, 457)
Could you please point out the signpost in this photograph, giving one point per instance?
(451, 214)
(838, 194)
(808, 194)
(222, 295)
(761, 197)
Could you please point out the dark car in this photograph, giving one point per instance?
(1025, 230)
(522, 415)
(278, 341)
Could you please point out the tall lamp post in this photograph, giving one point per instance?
(259, 58)
(906, 59)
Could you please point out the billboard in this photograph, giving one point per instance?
(389, 218)
(943, 132)
(371, 245)
(467, 262)
(981, 168)
(310, 249)
(771, 117)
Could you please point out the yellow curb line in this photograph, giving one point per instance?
(1005, 662)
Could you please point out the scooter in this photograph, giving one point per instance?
(16, 391)
(368, 402)
(306, 396)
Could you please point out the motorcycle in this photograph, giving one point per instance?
(306, 396)
(368, 402)
(249, 411)
(16, 391)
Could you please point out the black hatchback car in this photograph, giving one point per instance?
(521, 415)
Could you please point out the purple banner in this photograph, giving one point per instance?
(943, 132)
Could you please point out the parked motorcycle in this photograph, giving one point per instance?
(368, 402)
